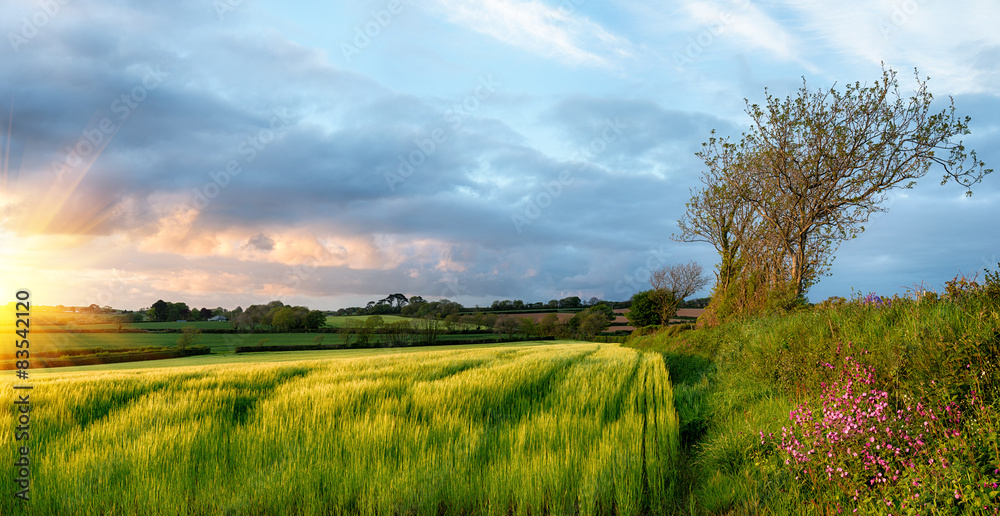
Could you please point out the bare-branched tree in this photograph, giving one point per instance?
(673, 283)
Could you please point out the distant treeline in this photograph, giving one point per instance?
(417, 306)
(94, 356)
(373, 344)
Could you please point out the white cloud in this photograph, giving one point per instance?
(540, 29)
(939, 38)
(744, 22)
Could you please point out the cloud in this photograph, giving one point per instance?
(938, 38)
(532, 26)
(260, 242)
(258, 169)
(745, 24)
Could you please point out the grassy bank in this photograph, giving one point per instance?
(895, 409)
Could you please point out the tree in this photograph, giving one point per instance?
(429, 329)
(354, 328)
(570, 302)
(549, 325)
(593, 320)
(809, 173)
(527, 327)
(158, 311)
(242, 321)
(644, 310)
(315, 320)
(284, 319)
(604, 309)
(673, 283)
(506, 326)
(206, 313)
(397, 300)
(120, 321)
(189, 334)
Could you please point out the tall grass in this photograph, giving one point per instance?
(581, 429)
(736, 386)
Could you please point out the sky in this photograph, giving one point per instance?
(233, 152)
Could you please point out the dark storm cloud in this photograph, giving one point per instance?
(649, 128)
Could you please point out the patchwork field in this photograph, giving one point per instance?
(541, 429)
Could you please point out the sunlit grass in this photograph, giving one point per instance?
(737, 385)
(566, 428)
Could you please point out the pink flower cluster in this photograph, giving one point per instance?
(854, 435)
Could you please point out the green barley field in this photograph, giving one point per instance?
(568, 428)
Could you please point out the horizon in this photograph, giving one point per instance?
(234, 153)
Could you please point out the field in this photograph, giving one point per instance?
(538, 429)
(218, 343)
(340, 321)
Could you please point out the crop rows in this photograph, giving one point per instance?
(587, 429)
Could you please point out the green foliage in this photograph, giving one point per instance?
(807, 175)
(593, 320)
(189, 335)
(992, 287)
(506, 326)
(645, 309)
(738, 379)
